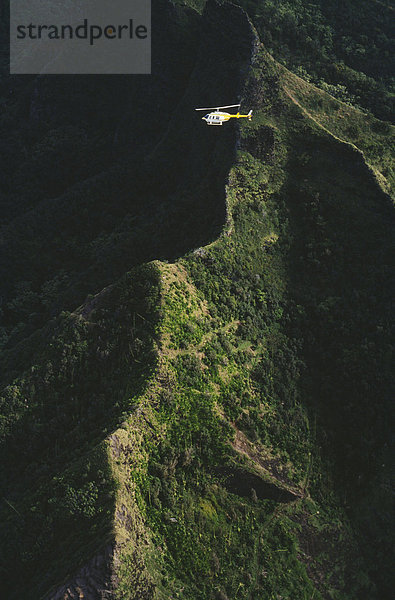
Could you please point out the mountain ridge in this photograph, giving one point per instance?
(154, 408)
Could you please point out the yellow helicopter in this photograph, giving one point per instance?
(218, 118)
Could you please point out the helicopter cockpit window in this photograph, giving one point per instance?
(207, 116)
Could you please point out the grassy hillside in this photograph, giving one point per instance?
(374, 138)
(344, 48)
(217, 425)
(270, 421)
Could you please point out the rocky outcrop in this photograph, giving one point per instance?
(91, 582)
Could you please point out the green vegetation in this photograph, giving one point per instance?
(88, 368)
(273, 292)
(344, 48)
(374, 138)
(215, 422)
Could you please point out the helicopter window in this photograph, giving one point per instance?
(207, 116)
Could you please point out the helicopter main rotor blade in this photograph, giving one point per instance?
(218, 107)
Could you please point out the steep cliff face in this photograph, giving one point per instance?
(89, 184)
(109, 203)
(217, 426)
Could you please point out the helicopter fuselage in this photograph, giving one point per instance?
(218, 118)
